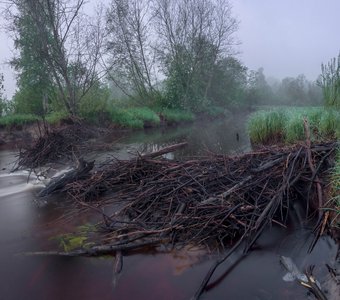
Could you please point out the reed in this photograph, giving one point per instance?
(286, 125)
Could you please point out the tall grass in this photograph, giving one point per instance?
(286, 125)
(17, 120)
(55, 117)
(265, 126)
(134, 117)
(176, 116)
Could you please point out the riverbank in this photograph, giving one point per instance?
(20, 130)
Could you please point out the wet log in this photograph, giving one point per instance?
(164, 150)
(57, 184)
(99, 250)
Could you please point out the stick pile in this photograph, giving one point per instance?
(58, 144)
(209, 201)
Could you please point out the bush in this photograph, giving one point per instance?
(17, 120)
(134, 117)
(55, 117)
(176, 116)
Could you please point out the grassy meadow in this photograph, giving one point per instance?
(286, 124)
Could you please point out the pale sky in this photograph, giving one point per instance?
(288, 37)
(285, 37)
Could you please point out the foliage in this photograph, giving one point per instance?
(134, 117)
(330, 82)
(229, 82)
(298, 92)
(287, 124)
(192, 56)
(34, 77)
(17, 119)
(94, 105)
(266, 126)
(176, 116)
(258, 90)
(58, 49)
(55, 117)
(131, 55)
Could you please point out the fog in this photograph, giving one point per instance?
(286, 38)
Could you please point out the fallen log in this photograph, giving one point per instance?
(98, 250)
(179, 203)
(57, 184)
(165, 150)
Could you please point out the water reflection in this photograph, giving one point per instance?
(224, 136)
(24, 226)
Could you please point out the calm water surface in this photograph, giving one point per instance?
(27, 226)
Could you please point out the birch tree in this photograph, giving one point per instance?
(66, 45)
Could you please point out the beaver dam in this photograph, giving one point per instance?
(216, 202)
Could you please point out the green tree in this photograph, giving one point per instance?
(35, 83)
(66, 47)
(258, 90)
(193, 36)
(131, 55)
(229, 82)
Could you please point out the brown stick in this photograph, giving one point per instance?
(311, 165)
(165, 150)
(97, 250)
(228, 192)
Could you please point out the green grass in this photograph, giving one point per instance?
(55, 117)
(134, 117)
(286, 124)
(266, 126)
(145, 114)
(216, 111)
(176, 116)
(17, 120)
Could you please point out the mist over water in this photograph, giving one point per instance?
(26, 226)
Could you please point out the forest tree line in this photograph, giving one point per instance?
(177, 54)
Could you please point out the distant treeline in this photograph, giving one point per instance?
(161, 54)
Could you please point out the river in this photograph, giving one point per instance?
(27, 225)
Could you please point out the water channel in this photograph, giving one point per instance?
(25, 225)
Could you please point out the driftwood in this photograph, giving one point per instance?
(209, 201)
(164, 150)
(216, 202)
(99, 250)
(58, 183)
(56, 145)
(82, 171)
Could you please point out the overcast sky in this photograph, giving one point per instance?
(285, 37)
(288, 37)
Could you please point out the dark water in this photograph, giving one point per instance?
(27, 226)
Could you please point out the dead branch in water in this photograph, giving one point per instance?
(210, 201)
(217, 202)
